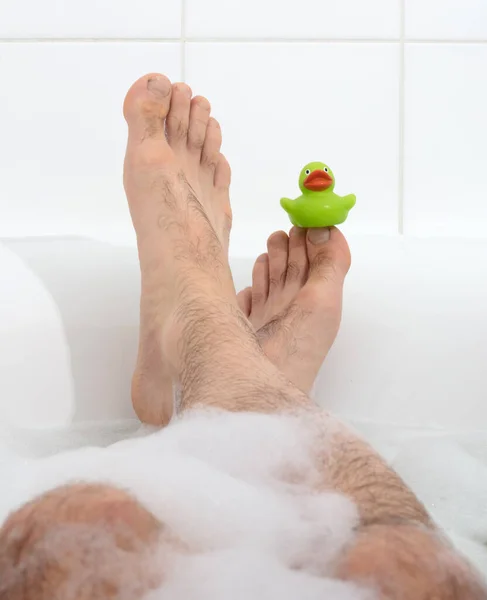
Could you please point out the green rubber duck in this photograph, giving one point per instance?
(318, 206)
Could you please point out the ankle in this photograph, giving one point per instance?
(206, 329)
(212, 348)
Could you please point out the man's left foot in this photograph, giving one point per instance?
(295, 302)
(176, 181)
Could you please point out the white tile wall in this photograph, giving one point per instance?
(90, 19)
(446, 19)
(63, 134)
(278, 114)
(315, 19)
(446, 140)
(390, 92)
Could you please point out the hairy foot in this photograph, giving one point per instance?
(295, 301)
(177, 185)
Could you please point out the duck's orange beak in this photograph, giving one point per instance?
(318, 180)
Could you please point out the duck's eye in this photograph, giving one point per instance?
(326, 169)
(307, 171)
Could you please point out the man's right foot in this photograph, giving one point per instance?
(295, 302)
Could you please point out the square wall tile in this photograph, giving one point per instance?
(63, 135)
(90, 18)
(446, 19)
(445, 140)
(314, 19)
(284, 105)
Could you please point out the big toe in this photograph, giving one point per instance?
(328, 254)
(147, 105)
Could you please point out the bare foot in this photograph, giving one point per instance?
(295, 302)
(177, 185)
(174, 172)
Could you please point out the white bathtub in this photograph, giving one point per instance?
(407, 369)
(411, 350)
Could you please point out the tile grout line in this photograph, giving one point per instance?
(290, 40)
(183, 40)
(402, 88)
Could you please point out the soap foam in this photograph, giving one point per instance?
(238, 488)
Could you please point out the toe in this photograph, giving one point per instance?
(221, 206)
(198, 123)
(177, 122)
(147, 105)
(223, 174)
(260, 281)
(297, 266)
(210, 154)
(328, 254)
(244, 300)
(278, 249)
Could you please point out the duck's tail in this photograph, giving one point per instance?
(286, 204)
(349, 201)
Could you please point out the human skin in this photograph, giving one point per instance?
(177, 183)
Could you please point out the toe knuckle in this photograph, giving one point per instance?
(209, 161)
(178, 128)
(181, 129)
(293, 271)
(197, 140)
(150, 109)
(324, 265)
(275, 281)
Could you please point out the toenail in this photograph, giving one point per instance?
(184, 89)
(319, 236)
(202, 103)
(160, 86)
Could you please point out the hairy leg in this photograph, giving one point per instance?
(193, 323)
(296, 319)
(80, 542)
(216, 355)
(189, 296)
(407, 562)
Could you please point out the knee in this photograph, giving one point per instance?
(410, 563)
(80, 536)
